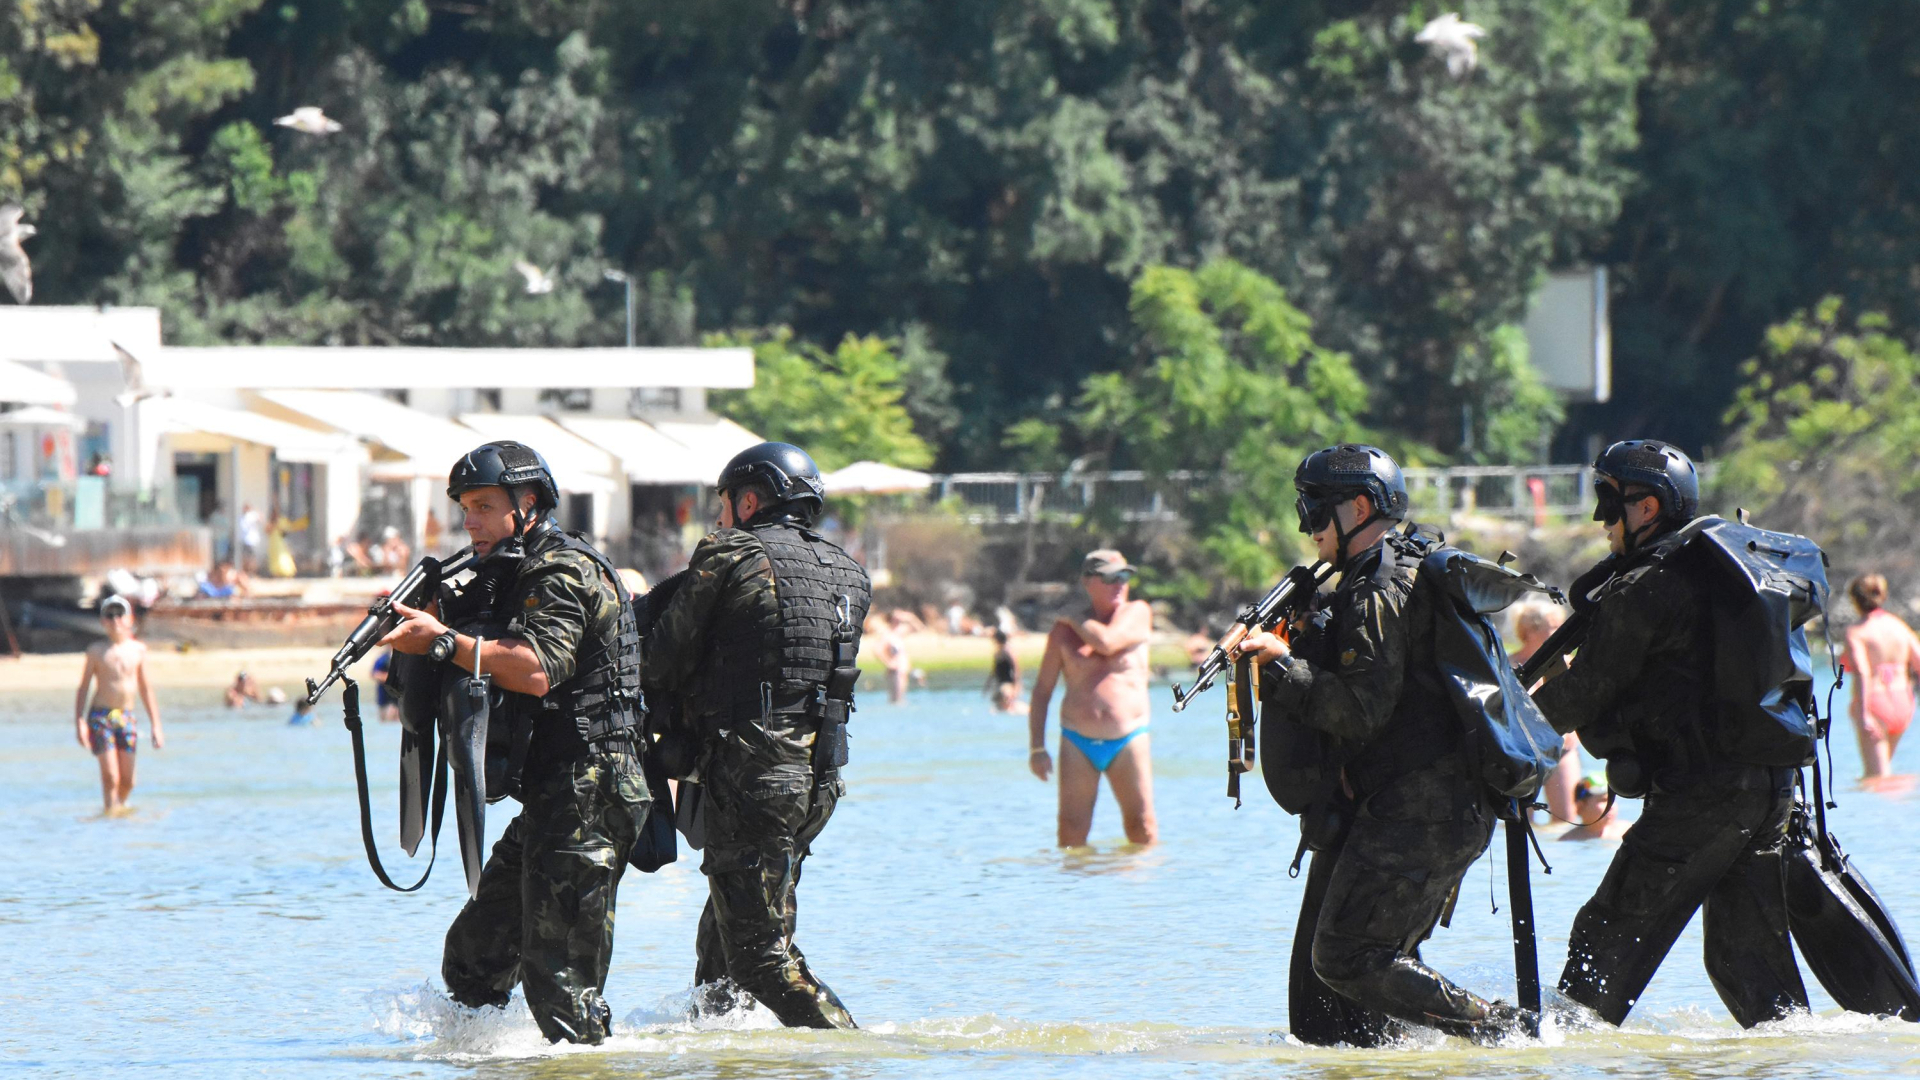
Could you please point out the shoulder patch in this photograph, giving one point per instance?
(1348, 657)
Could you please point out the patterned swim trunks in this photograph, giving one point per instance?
(112, 727)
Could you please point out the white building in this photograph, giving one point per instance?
(355, 439)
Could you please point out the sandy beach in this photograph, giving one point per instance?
(937, 654)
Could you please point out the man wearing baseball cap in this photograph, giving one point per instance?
(1103, 717)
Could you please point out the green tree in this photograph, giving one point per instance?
(1769, 177)
(841, 405)
(1233, 384)
(1825, 436)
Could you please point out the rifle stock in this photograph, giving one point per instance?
(414, 590)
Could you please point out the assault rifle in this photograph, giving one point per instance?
(415, 590)
(1283, 601)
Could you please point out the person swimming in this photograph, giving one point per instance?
(1883, 655)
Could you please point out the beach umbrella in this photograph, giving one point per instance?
(875, 478)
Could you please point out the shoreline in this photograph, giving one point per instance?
(287, 665)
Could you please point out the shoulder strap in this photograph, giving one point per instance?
(350, 699)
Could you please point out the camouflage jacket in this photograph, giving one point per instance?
(1642, 677)
(1378, 690)
(564, 607)
(728, 575)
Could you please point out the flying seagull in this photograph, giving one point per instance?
(310, 119)
(1453, 40)
(538, 282)
(14, 268)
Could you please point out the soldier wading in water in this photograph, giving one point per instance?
(1409, 815)
(757, 642)
(559, 637)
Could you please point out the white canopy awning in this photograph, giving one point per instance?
(340, 367)
(875, 478)
(713, 442)
(196, 425)
(41, 416)
(23, 385)
(413, 443)
(577, 464)
(647, 455)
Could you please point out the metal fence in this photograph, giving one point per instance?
(1522, 492)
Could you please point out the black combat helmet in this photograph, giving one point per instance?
(1329, 476)
(787, 471)
(504, 464)
(1657, 466)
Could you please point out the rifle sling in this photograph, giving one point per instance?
(350, 699)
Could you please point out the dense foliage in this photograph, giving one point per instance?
(1825, 437)
(1233, 385)
(985, 183)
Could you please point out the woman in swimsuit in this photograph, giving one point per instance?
(1883, 655)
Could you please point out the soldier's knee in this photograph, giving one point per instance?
(1343, 967)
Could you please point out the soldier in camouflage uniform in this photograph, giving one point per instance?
(556, 638)
(758, 643)
(1411, 815)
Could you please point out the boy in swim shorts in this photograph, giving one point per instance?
(116, 671)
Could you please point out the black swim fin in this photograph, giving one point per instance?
(1843, 930)
(465, 710)
(415, 682)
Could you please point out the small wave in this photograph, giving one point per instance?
(432, 1027)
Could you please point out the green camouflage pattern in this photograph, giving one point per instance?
(562, 601)
(764, 805)
(729, 581)
(544, 914)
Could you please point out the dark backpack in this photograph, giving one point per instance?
(1765, 587)
(1508, 738)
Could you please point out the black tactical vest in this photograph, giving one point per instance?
(599, 706)
(779, 659)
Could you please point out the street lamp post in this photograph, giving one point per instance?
(626, 279)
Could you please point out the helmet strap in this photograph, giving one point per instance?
(1343, 536)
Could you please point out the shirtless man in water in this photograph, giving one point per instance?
(117, 670)
(1103, 717)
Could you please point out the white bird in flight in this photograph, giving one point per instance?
(538, 281)
(1453, 40)
(309, 119)
(15, 271)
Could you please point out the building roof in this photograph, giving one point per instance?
(21, 385)
(577, 464)
(196, 425)
(76, 332)
(715, 440)
(288, 367)
(412, 443)
(648, 455)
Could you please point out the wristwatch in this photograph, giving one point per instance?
(442, 647)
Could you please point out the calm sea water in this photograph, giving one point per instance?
(231, 927)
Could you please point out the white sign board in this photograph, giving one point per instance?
(1568, 338)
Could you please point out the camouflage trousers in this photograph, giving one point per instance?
(760, 822)
(544, 914)
(1713, 847)
(1372, 897)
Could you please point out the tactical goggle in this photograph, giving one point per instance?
(1611, 502)
(1315, 510)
